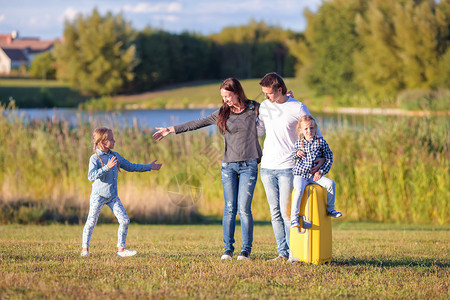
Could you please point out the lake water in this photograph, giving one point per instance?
(144, 118)
(163, 118)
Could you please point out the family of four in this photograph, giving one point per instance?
(295, 154)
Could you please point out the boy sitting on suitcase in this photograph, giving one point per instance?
(307, 149)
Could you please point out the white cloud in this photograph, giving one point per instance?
(168, 18)
(175, 7)
(144, 7)
(2, 18)
(70, 14)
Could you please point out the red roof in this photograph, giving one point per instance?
(32, 44)
(5, 38)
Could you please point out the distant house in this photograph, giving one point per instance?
(16, 52)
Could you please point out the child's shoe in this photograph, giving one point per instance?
(84, 253)
(126, 253)
(334, 214)
(295, 223)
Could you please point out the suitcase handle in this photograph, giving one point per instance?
(306, 224)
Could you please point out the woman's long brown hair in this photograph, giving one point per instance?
(233, 85)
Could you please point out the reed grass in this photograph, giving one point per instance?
(391, 171)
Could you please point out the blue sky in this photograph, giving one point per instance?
(45, 18)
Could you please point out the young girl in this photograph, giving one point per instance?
(307, 149)
(104, 167)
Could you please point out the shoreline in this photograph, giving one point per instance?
(385, 111)
(339, 110)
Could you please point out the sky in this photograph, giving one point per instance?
(45, 18)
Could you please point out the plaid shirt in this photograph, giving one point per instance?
(314, 149)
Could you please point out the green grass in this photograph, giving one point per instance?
(202, 94)
(370, 261)
(23, 83)
(52, 93)
(32, 93)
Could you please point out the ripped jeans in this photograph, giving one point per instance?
(238, 181)
(95, 206)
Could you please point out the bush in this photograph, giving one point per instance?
(424, 99)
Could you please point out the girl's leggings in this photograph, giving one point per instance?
(300, 184)
(95, 206)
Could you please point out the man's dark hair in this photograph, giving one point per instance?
(274, 81)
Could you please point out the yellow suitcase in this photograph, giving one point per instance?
(312, 242)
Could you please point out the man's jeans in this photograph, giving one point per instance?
(238, 181)
(278, 185)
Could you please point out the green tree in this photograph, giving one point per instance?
(171, 58)
(330, 41)
(377, 65)
(43, 66)
(152, 48)
(443, 37)
(97, 56)
(403, 44)
(255, 49)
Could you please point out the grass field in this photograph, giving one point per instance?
(370, 261)
(51, 93)
(35, 93)
(203, 94)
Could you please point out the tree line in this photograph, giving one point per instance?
(377, 48)
(104, 55)
(381, 47)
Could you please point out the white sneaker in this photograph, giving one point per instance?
(84, 253)
(126, 253)
(243, 256)
(279, 258)
(227, 255)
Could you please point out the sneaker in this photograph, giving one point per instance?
(295, 223)
(279, 258)
(84, 254)
(126, 253)
(227, 255)
(243, 256)
(334, 214)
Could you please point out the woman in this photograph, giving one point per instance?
(236, 120)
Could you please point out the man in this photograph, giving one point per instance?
(279, 115)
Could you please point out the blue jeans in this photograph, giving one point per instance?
(238, 181)
(300, 184)
(95, 206)
(278, 185)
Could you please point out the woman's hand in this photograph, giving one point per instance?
(320, 162)
(162, 132)
(155, 166)
(112, 162)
